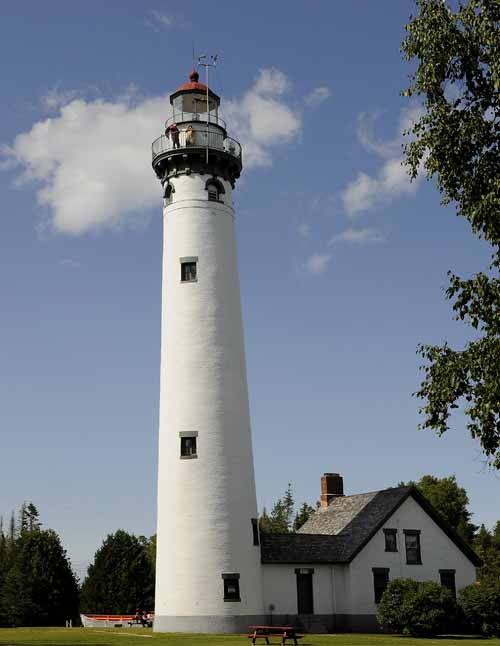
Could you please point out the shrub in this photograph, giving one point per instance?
(390, 610)
(480, 605)
(415, 608)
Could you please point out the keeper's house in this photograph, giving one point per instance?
(331, 575)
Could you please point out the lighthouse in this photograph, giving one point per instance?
(208, 570)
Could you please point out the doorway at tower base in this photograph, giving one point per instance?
(209, 624)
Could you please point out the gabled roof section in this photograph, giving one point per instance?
(337, 533)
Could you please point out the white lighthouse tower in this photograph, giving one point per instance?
(208, 572)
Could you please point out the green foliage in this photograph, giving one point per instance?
(450, 500)
(283, 519)
(121, 578)
(390, 610)
(457, 141)
(487, 546)
(417, 608)
(37, 585)
(480, 605)
(302, 516)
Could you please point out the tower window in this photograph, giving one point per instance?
(168, 194)
(188, 444)
(188, 270)
(380, 581)
(213, 193)
(215, 189)
(391, 540)
(412, 544)
(231, 587)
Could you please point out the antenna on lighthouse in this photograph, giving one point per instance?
(207, 62)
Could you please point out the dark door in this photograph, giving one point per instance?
(305, 605)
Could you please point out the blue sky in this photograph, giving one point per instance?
(342, 261)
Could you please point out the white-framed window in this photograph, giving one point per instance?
(215, 190)
(188, 444)
(189, 269)
(213, 193)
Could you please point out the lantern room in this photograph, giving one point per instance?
(194, 101)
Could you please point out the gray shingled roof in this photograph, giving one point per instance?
(335, 534)
(355, 515)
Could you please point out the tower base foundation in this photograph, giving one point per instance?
(207, 623)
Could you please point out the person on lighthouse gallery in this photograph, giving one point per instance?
(173, 132)
(189, 136)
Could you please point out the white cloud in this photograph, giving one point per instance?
(317, 264)
(359, 236)
(159, 20)
(271, 81)
(56, 98)
(392, 180)
(91, 162)
(261, 120)
(317, 96)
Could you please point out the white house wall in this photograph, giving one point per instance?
(437, 550)
(280, 588)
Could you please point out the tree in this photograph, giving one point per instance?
(480, 605)
(150, 547)
(450, 500)
(283, 519)
(29, 518)
(457, 140)
(302, 516)
(487, 546)
(121, 578)
(418, 608)
(42, 587)
(37, 585)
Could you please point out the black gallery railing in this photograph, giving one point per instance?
(196, 139)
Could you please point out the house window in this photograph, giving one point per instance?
(231, 587)
(448, 581)
(255, 531)
(391, 544)
(305, 597)
(412, 544)
(188, 444)
(188, 270)
(380, 581)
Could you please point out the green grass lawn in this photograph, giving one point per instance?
(137, 637)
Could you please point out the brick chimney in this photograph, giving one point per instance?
(332, 486)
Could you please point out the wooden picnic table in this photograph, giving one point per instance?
(264, 632)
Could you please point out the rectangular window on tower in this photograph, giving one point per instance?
(188, 270)
(231, 587)
(188, 444)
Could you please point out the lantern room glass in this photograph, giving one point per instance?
(192, 106)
